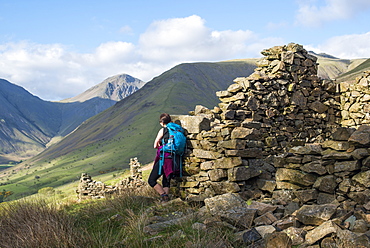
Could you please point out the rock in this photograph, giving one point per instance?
(265, 219)
(362, 178)
(340, 166)
(217, 174)
(295, 176)
(206, 154)
(314, 167)
(321, 231)
(224, 202)
(224, 187)
(261, 207)
(278, 239)
(239, 216)
(361, 137)
(315, 214)
(348, 239)
(226, 163)
(326, 184)
(309, 149)
(336, 145)
(306, 195)
(193, 124)
(297, 235)
(251, 236)
(264, 230)
(242, 173)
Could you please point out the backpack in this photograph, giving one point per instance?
(175, 145)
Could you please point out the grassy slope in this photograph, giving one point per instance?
(107, 141)
(355, 72)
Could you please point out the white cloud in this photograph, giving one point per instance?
(346, 46)
(311, 14)
(54, 72)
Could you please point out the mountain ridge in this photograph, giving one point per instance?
(106, 141)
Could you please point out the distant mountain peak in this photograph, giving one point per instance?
(113, 88)
(324, 55)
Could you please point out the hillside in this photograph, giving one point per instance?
(104, 143)
(107, 141)
(29, 124)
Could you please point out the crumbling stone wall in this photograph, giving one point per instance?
(91, 189)
(281, 105)
(355, 101)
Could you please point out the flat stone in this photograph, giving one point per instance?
(295, 176)
(326, 184)
(363, 178)
(224, 202)
(193, 124)
(278, 239)
(261, 207)
(336, 145)
(321, 231)
(265, 219)
(340, 166)
(238, 216)
(199, 153)
(307, 149)
(306, 195)
(314, 167)
(315, 214)
(224, 187)
(242, 173)
(227, 163)
(264, 230)
(296, 235)
(361, 136)
(245, 133)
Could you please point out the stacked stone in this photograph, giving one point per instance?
(285, 95)
(90, 189)
(282, 104)
(355, 101)
(336, 171)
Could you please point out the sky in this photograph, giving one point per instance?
(58, 49)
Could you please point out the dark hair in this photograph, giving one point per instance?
(165, 118)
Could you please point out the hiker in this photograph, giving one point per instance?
(163, 189)
(170, 144)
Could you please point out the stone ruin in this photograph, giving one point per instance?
(281, 105)
(91, 189)
(284, 153)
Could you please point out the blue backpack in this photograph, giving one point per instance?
(175, 145)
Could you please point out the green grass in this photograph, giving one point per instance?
(115, 222)
(105, 143)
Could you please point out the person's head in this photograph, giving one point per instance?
(164, 118)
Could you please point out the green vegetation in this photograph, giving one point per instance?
(115, 222)
(355, 72)
(104, 144)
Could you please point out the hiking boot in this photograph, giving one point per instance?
(165, 198)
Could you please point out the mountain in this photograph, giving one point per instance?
(113, 88)
(105, 143)
(29, 124)
(108, 140)
(331, 67)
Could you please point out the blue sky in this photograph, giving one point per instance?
(58, 49)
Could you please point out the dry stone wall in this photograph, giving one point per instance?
(355, 101)
(91, 189)
(282, 104)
